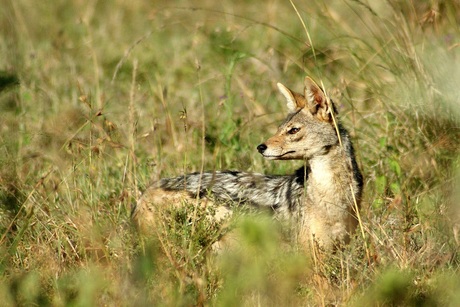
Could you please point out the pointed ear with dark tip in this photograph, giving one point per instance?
(317, 101)
(294, 101)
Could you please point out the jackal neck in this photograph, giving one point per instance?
(332, 173)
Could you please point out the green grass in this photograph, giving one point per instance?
(99, 98)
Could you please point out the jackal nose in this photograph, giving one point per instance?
(261, 148)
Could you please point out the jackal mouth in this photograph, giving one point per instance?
(278, 156)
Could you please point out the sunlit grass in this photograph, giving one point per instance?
(97, 99)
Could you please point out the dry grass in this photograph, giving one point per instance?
(99, 98)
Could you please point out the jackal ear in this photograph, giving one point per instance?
(294, 100)
(318, 102)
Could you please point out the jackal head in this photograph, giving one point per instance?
(308, 130)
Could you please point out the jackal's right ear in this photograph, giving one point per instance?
(294, 101)
(317, 101)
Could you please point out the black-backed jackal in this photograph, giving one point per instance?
(320, 199)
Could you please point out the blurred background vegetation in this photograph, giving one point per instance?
(99, 98)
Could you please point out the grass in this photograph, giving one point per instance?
(99, 98)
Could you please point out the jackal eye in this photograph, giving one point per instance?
(293, 130)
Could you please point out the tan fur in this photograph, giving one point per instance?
(145, 214)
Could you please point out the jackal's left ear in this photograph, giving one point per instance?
(318, 102)
(294, 100)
